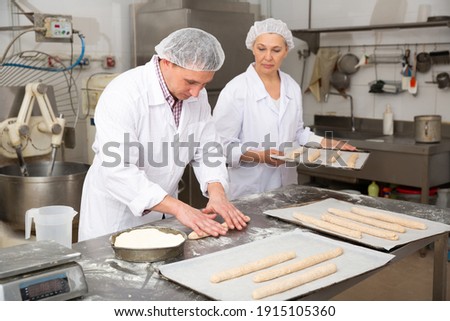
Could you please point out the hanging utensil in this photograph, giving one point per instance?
(413, 82)
(347, 63)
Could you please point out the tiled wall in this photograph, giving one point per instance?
(343, 13)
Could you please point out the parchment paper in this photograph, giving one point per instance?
(195, 273)
(318, 208)
(325, 158)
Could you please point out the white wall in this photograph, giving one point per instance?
(107, 28)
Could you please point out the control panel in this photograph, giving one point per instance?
(53, 28)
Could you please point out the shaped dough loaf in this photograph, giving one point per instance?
(297, 266)
(367, 220)
(390, 218)
(358, 227)
(312, 156)
(194, 236)
(352, 160)
(293, 282)
(252, 266)
(327, 226)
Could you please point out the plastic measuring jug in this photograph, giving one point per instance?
(51, 223)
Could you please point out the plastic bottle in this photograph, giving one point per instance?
(373, 189)
(388, 121)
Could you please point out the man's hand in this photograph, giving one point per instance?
(201, 223)
(219, 204)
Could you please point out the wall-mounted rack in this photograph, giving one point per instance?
(312, 36)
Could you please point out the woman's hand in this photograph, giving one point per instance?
(262, 156)
(337, 144)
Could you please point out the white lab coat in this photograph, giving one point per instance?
(246, 114)
(122, 183)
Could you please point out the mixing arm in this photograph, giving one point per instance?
(51, 124)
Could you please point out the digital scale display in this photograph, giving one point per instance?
(44, 287)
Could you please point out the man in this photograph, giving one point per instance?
(151, 121)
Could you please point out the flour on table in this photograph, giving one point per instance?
(149, 238)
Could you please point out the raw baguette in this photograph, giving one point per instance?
(312, 156)
(352, 160)
(252, 266)
(390, 218)
(327, 226)
(297, 266)
(295, 153)
(293, 282)
(367, 220)
(195, 236)
(358, 227)
(334, 157)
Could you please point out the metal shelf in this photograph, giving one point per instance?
(312, 36)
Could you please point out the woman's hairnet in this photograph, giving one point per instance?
(269, 26)
(192, 49)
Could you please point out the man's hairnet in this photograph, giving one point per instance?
(192, 49)
(269, 26)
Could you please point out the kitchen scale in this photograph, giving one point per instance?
(42, 270)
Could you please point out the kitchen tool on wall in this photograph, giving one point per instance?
(413, 82)
(423, 62)
(340, 81)
(440, 57)
(427, 128)
(348, 63)
(443, 80)
(406, 70)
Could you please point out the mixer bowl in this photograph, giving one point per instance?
(19, 193)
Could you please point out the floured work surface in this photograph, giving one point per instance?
(315, 157)
(196, 273)
(318, 209)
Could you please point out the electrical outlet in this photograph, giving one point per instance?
(108, 62)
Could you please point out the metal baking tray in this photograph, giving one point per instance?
(195, 273)
(148, 255)
(318, 208)
(326, 154)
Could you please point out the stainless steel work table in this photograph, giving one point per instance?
(112, 279)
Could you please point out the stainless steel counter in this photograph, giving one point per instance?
(112, 279)
(396, 159)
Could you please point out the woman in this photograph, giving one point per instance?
(259, 113)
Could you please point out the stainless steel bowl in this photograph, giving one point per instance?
(19, 193)
(148, 255)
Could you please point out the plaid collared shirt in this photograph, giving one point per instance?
(175, 104)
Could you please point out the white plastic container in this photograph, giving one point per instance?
(52, 223)
(388, 121)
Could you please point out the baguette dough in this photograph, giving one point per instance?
(293, 282)
(352, 160)
(195, 236)
(327, 226)
(297, 266)
(295, 153)
(312, 156)
(367, 220)
(252, 266)
(358, 227)
(390, 218)
(334, 157)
